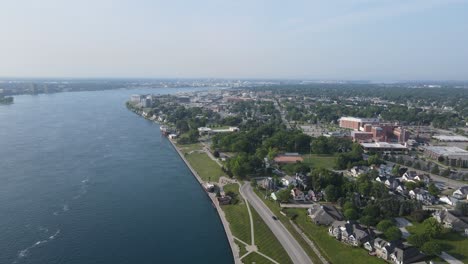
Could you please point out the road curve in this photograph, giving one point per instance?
(295, 251)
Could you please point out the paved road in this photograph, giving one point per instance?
(295, 251)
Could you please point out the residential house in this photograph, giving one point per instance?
(383, 248)
(324, 214)
(297, 194)
(314, 196)
(448, 220)
(422, 178)
(448, 200)
(266, 183)
(461, 193)
(357, 170)
(392, 183)
(350, 233)
(409, 176)
(422, 195)
(405, 254)
(225, 200)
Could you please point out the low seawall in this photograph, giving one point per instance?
(230, 237)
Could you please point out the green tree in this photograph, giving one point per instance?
(351, 214)
(435, 169)
(331, 193)
(432, 228)
(418, 240)
(393, 233)
(367, 220)
(385, 224)
(417, 165)
(396, 170)
(432, 188)
(431, 248)
(445, 172)
(283, 195)
(410, 185)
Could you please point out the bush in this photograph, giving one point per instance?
(393, 233)
(383, 225)
(418, 240)
(431, 248)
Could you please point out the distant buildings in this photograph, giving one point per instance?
(371, 129)
(383, 147)
(455, 156)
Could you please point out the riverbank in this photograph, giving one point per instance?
(230, 237)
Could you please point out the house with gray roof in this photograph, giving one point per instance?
(324, 214)
(350, 233)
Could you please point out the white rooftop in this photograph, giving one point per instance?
(382, 145)
(444, 150)
(451, 138)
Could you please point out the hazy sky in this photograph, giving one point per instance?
(328, 39)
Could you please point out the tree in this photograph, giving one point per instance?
(417, 165)
(385, 224)
(396, 170)
(351, 214)
(433, 190)
(216, 154)
(445, 172)
(367, 220)
(410, 185)
(419, 215)
(331, 193)
(393, 233)
(400, 160)
(283, 195)
(431, 248)
(418, 240)
(432, 228)
(435, 169)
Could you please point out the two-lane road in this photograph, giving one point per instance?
(295, 251)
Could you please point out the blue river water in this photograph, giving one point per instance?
(84, 180)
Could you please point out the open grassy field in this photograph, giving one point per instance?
(274, 207)
(453, 243)
(255, 258)
(206, 167)
(238, 216)
(320, 161)
(189, 147)
(239, 222)
(333, 250)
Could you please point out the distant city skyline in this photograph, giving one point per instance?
(328, 40)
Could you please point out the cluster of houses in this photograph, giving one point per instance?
(356, 235)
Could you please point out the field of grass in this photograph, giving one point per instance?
(274, 207)
(239, 222)
(255, 258)
(238, 216)
(333, 250)
(320, 161)
(189, 147)
(206, 167)
(453, 243)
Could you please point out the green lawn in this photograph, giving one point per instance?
(238, 216)
(206, 167)
(239, 222)
(333, 250)
(453, 243)
(189, 147)
(274, 207)
(320, 161)
(255, 258)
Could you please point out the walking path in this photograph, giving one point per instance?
(231, 238)
(450, 259)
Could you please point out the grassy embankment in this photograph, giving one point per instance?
(200, 162)
(239, 222)
(453, 243)
(333, 250)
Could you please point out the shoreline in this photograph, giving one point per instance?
(222, 217)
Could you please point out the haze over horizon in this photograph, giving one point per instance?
(353, 40)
